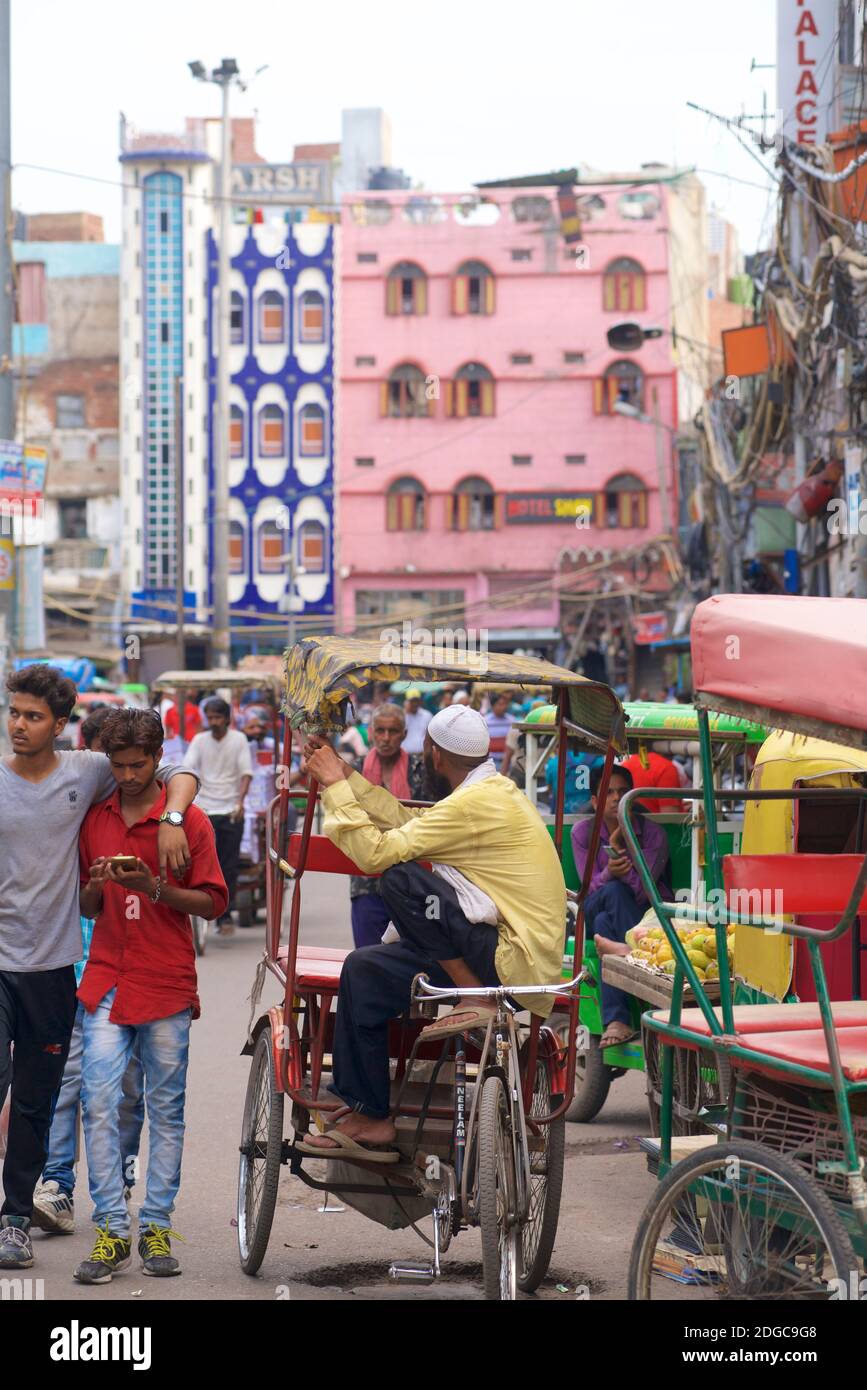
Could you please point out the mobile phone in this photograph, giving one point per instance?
(127, 862)
(612, 852)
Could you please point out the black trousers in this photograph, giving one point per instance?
(375, 980)
(228, 834)
(37, 1014)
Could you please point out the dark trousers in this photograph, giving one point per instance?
(375, 981)
(610, 912)
(228, 835)
(37, 1014)
(370, 917)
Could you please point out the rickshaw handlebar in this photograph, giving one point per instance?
(501, 992)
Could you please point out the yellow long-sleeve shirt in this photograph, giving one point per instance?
(490, 832)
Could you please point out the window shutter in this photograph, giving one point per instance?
(450, 511)
(638, 292)
(464, 501)
(641, 393)
(422, 506)
(461, 398)
(624, 508)
(490, 294)
(608, 292)
(449, 397)
(460, 294)
(499, 510)
(391, 514)
(419, 295)
(623, 287)
(487, 397)
(392, 295)
(613, 391)
(431, 403)
(383, 398)
(407, 511)
(641, 498)
(598, 397)
(601, 509)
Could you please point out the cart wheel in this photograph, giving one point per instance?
(200, 934)
(546, 1185)
(592, 1077)
(749, 1223)
(261, 1152)
(245, 908)
(497, 1192)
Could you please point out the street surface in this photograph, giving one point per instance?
(341, 1255)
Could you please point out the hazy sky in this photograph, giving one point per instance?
(475, 90)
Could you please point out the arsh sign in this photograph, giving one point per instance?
(306, 181)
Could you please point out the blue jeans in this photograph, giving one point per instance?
(60, 1165)
(370, 917)
(610, 912)
(164, 1046)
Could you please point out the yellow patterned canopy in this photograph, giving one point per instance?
(323, 673)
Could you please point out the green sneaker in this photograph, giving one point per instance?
(155, 1249)
(110, 1255)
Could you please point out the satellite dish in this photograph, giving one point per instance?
(629, 337)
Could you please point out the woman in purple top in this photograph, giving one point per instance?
(616, 899)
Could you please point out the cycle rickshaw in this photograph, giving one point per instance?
(770, 1201)
(480, 1117)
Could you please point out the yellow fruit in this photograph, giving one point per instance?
(709, 947)
(664, 954)
(698, 958)
(669, 967)
(712, 971)
(656, 934)
(698, 941)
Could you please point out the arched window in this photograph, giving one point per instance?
(404, 394)
(272, 431)
(237, 548)
(471, 392)
(405, 506)
(406, 289)
(236, 318)
(623, 286)
(311, 432)
(472, 507)
(623, 381)
(311, 309)
(624, 501)
(270, 548)
(272, 317)
(236, 432)
(311, 547)
(473, 289)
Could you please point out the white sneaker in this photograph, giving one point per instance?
(53, 1210)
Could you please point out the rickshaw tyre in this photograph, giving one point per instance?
(531, 1277)
(489, 1143)
(245, 908)
(821, 1209)
(591, 1093)
(257, 1245)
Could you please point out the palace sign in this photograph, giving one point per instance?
(806, 69)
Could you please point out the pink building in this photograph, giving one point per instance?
(478, 441)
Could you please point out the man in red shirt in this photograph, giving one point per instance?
(139, 985)
(650, 769)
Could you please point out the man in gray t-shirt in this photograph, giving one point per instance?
(44, 797)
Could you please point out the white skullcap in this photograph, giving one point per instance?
(460, 697)
(459, 729)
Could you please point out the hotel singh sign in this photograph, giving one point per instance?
(540, 508)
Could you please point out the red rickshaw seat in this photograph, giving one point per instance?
(806, 882)
(775, 1018)
(323, 857)
(316, 967)
(807, 1048)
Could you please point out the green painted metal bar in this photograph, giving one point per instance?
(841, 1087)
(663, 910)
(714, 859)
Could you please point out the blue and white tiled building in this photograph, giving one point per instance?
(282, 424)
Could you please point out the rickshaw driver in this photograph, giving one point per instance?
(494, 912)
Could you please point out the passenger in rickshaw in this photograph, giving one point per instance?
(491, 909)
(616, 899)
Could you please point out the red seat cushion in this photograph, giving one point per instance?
(775, 1018)
(317, 967)
(808, 1048)
(790, 883)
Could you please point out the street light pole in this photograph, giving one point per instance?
(223, 77)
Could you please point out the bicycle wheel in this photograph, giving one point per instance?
(546, 1186)
(261, 1153)
(735, 1221)
(497, 1192)
(592, 1077)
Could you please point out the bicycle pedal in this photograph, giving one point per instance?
(421, 1008)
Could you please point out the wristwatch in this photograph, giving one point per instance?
(173, 817)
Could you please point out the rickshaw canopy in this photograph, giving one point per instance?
(323, 673)
(644, 716)
(792, 663)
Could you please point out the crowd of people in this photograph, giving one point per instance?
(147, 824)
